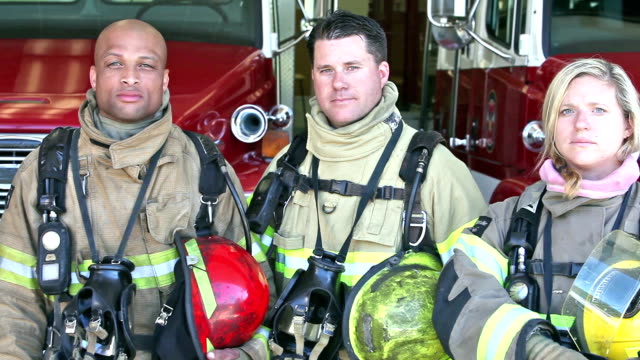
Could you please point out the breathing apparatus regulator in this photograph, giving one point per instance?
(97, 322)
(604, 299)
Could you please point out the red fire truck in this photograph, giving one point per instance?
(496, 59)
(231, 63)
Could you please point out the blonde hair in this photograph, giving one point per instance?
(626, 95)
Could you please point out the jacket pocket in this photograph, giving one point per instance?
(381, 223)
(296, 222)
(166, 214)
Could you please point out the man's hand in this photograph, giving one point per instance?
(225, 354)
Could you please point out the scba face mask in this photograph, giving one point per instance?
(98, 320)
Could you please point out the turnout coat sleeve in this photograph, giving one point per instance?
(449, 194)
(22, 304)
(474, 316)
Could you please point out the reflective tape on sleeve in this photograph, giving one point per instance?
(483, 255)
(500, 330)
(18, 268)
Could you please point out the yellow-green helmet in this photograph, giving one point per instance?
(388, 312)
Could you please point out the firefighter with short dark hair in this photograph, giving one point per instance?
(345, 214)
(131, 186)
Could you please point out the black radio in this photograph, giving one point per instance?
(265, 201)
(54, 257)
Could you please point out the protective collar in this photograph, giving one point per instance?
(614, 184)
(356, 140)
(133, 151)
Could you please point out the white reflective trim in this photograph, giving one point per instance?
(139, 272)
(292, 262)
(264, 331)
(74, 277)
(358, 269)
(266, 239)
(350, 269)
(484, 260)
(17, 268)
(154, 270)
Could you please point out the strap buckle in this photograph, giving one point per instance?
(387, 192)
(420, 223)
(338, 186)
(164, 315)
(70, 325)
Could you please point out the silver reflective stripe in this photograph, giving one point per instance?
(17, 268)
(139, 272)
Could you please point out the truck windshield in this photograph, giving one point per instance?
(212, 21)
(584, 26)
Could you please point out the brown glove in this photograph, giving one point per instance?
(540, 347)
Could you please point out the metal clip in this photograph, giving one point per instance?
(328, 328)
(192, 260)
(164, 315)
(209, 207)
(70, 326)
(84, 174)
(422, 223)
(96, 328)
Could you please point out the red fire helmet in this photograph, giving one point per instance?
(230, 293)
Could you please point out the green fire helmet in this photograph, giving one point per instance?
(388, 312)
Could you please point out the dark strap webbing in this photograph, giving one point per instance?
(296, 153)
(413, 172)
(52, 170)
(82, 201)
(364, 200)
(568, 269)
(214, 180)
(211, 184)
(348, 188)
(547, 259)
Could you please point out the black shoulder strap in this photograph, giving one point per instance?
(523, 230)
(296, 153)
(421, 140)
(413, 172)
(288, 163)
(212, 183)
(214, 180)
(53, 162)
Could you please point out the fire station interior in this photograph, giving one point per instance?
(405, 24)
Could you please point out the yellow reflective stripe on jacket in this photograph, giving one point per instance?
(355, 266)
(257, 251)
(266, 239)
(445, 248)
(500, 330)
(152, 270)
(18, 268)
(202, 279)
(483, 255)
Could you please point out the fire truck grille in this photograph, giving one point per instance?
(14, 148)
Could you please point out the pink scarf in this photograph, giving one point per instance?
(614, 184)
